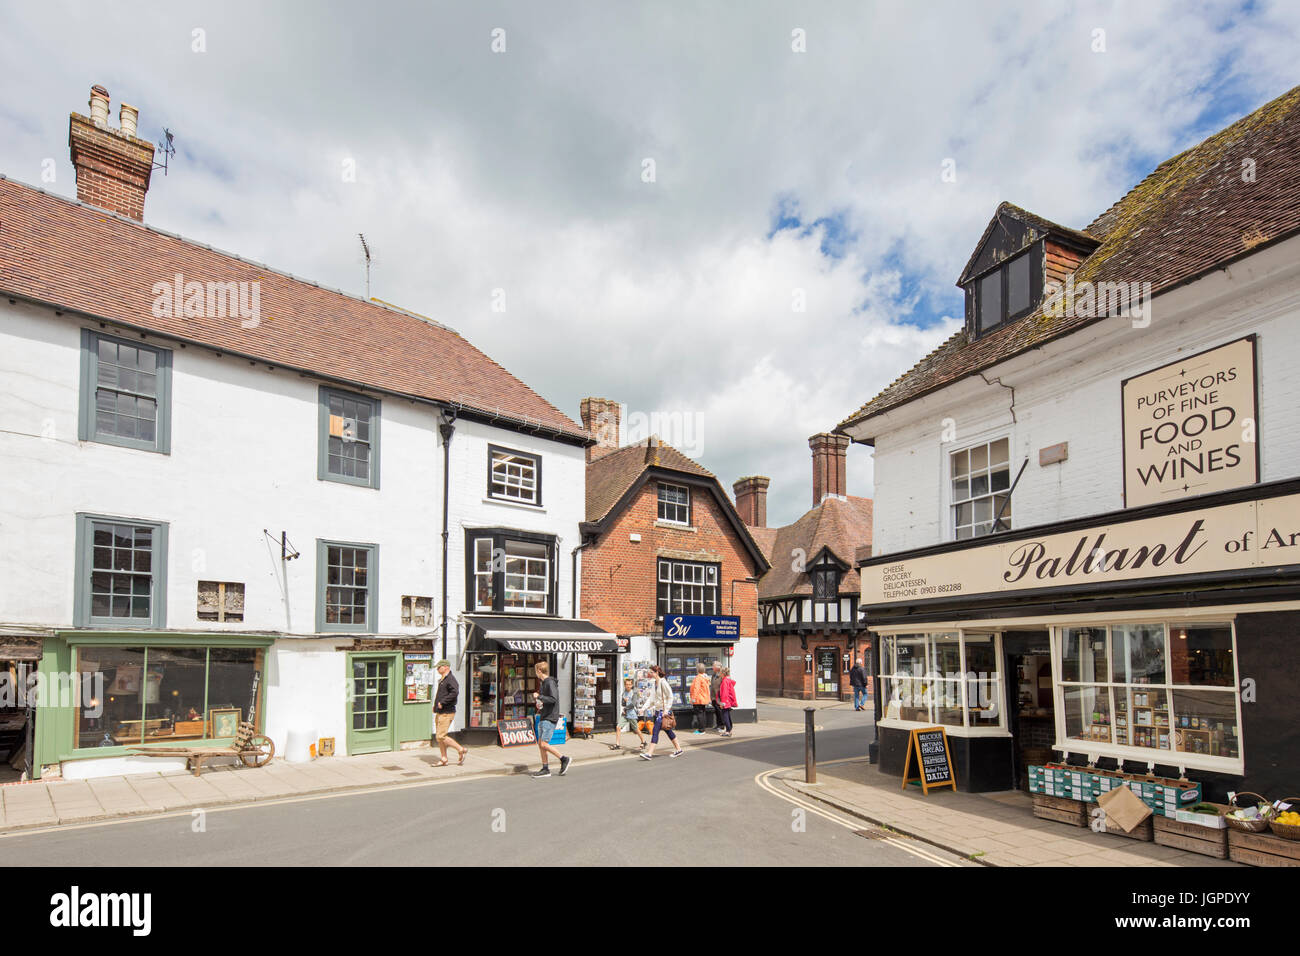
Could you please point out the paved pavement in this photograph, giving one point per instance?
(47, 803)
(997, 829)
(701, 809)
(737, 801)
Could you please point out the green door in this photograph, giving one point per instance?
(370, 719)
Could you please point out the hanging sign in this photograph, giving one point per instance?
(1190, 427)
(933, 763)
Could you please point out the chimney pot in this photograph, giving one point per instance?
(751, 500)
(99, 106)
(129, 119)
(828, 466)
(113, 165)
(601, 417)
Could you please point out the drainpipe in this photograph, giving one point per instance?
(573, 600)
(446, 429)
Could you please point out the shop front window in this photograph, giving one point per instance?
(947, 678)
(164, 694)
(483, 690)
(1169, 690)
(516, 682)
(679, 663)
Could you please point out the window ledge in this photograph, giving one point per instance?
(1164, 758)
(515, 504)
(676, 527)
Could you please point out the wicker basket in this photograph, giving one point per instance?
(1246, 826)
(1287, 831)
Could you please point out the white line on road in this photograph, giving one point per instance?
(762, 780)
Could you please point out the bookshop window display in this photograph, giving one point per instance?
(161, 694)
(949, 678)
(502, 685)
(1155, 692)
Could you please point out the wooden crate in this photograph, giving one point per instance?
(1262, 849)
(1193, 837)
(1142, 832)
(1061, 810)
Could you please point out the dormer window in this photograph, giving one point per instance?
(1010, 291)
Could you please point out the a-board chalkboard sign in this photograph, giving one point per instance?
(933, 762)
(516, 733)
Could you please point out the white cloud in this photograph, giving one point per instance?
(521, 171)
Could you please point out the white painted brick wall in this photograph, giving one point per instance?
(1079, 402)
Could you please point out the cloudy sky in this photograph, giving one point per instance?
(518, 161)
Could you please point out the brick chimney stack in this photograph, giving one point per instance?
(751, 499)
(828, 466)
(113, 165)
(600, 416)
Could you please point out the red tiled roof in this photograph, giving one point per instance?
(84, 259)
(610, 476)
(841, 525)
(1193, 213)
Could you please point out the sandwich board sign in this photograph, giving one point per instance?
(933, 762)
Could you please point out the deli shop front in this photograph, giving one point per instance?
(1162, 639)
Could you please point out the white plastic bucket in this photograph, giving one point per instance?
(297, 747)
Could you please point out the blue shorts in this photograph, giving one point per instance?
(544, 730)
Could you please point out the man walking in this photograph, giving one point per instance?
(547, 699)
(858, 680)
(715, 684)
(444, 712)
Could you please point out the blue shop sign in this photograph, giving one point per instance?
(701, 627)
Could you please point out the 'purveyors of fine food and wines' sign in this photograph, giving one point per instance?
(1189, 427)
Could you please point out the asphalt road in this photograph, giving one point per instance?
(704, 808)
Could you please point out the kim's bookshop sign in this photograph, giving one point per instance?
(1242, 535)
(1189, 427)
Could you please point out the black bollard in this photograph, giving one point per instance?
(809, 746)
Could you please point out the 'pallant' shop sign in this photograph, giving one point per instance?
(1249, 534)
(1189, 427)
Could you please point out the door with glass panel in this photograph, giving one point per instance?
(371, 715)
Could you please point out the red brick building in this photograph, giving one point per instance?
(809, 632)
(663, 538)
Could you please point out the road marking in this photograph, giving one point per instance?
(762, 780)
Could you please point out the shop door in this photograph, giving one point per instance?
(1030, 714)
(827, 663)
(371, 717)
(608, 690)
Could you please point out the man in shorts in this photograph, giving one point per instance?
(628, 718)
(444, 712)
(547, 699)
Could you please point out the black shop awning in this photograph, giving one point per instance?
(537, 635)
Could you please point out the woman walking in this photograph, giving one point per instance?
(700, 697)
(726, 699)
(661, 705)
